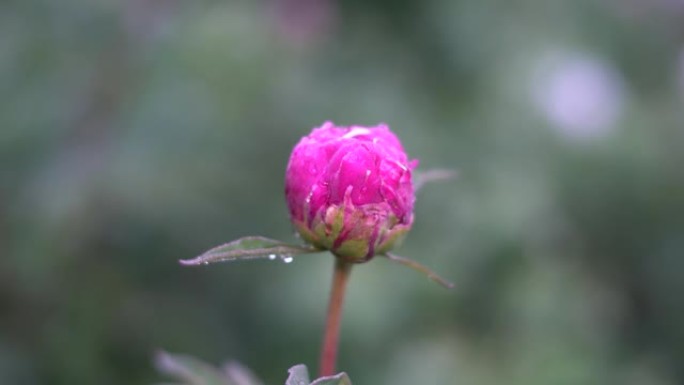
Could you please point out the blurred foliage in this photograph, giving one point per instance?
(135, 133)
(191, 371)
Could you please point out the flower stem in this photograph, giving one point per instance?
(332, 324)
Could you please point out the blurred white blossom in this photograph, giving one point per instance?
(303, 22)
(581, 96)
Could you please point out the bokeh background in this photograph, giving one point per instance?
(134, 133)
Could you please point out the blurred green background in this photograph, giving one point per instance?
(134, 133)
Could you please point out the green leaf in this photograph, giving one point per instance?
(419, 268)
(299, 375)
(189, 370)
(250, 248)
(338, 379)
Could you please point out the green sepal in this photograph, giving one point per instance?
(393, 239)
(353, 250)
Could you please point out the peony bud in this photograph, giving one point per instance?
(349, 190)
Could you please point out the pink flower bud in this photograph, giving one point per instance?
(349, 190)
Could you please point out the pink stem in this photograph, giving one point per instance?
(332, 324)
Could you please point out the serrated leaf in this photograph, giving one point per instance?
(249, 248)
(190, 370)
(338, 379)
(299, 375)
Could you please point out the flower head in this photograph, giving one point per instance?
(349, 190)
